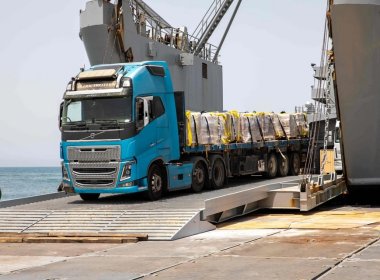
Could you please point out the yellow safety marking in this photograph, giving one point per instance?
(319, 220)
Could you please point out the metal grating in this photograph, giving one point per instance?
(159, 225)
(94, 154)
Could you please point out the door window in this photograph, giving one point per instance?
(148, 108)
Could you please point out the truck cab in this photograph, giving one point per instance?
(119, 133)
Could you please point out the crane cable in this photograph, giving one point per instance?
(318, 111)
(318, 106)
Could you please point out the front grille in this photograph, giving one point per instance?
(94, 174)
(95, 182)
(93, 154)
(100, 171)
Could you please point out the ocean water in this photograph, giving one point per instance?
(19, 182)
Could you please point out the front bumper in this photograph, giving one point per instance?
(101, 178)
(68, 188)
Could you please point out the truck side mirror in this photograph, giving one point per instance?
(144, 113)
(139, 113)
(60, 116)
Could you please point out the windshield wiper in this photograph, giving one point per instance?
(108, 123)
(76, 125)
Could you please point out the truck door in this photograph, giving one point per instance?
(146, 139)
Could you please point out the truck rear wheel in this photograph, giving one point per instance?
(283, 165)
(271, 166)
(89, 196)
(199, 177)
(218, 174)
(295, 164)
(155, 182)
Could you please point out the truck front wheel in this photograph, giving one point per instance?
(271, 166)
(199, 177)
(89, 196)
(155, 182)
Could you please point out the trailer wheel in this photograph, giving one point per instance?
(218, 174)
(295, 164)
(199, 177)
(89, 196)
(271, 166)
(283, 165)
(155, 182)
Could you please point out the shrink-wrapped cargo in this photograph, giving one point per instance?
(278, 129)
(224, 136)
(193, 124)
(289, 124)
(232, 126)
(249, 130)
(302, 124)
(216, 128)
(213, 129)
(266, 125)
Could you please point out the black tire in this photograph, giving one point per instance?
(156, 183)
(271, 166)
(295, 164)
(199, 177)
(283, 165)
(89, 196)
(218, 174)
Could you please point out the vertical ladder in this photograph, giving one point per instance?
(210, 22)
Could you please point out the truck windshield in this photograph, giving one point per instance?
(115, 109)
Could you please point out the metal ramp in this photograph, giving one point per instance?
(172, 222)
(283, 195)
(158, 225)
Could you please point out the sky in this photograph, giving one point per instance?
(266, 63)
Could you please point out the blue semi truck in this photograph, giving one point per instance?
(124, 131)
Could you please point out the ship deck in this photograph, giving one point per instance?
(331, 243)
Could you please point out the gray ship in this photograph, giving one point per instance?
(130, 30)
(355, 31)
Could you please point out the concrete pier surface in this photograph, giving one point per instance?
(340, 242)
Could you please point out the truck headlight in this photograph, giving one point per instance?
(65, 174)
(127, 171)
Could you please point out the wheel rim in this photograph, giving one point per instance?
(271, 165)
(198, 174)
(284, 165)
(156, 183)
